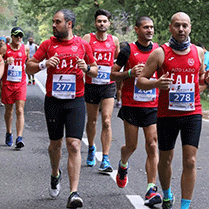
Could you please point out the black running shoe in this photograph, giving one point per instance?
(74, 201)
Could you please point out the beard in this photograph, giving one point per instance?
(60, 34)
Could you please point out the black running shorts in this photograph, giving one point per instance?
(138, 116)
(168, 129)
(65, 113)
(95, 93)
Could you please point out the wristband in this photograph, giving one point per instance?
(42, 65)
(129, 73)
(88, 68)
(206, 82)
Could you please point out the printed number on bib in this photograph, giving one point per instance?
(64, 86)
(14, 73)
(181, 97)
(143, 95)
(103, 76)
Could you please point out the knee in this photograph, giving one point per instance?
(106, 124)
(73, 146)
(19, 111)
(151, 147)
(189, 163)
(54, 146)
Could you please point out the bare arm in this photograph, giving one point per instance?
(154, 62)
(32, 65)
(117, 50)
(86, 37)
(1, 66)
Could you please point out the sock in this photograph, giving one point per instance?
(57, 175)
(105, 157)
(91, 147)
(167, 194)
(150, 185)
(123, 165)
(185, 203)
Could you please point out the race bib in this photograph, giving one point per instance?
(144, 95)
(14, 73)
(103, 76)
(181, 97)
(64, 86)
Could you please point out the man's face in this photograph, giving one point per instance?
(102, 23)
(17, 39)
(59, 25)
(145, 31)
(30, 40)
(180, 28)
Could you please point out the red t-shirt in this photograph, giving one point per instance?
(14, 74)
(129, 91)
(104, 52)
(184, 69)
(67, 51)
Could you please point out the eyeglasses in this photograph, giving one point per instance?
(18, 35)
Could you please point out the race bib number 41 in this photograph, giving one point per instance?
(181, 97)
(64, 86)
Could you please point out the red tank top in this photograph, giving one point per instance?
(104, 52)
(184, 69)
(15, 74)
(129, 91)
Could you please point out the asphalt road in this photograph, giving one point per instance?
(25, 174)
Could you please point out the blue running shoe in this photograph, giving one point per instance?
(19, 142)
(91, 160)
(9, 141)
(105, 167)
(168, 204)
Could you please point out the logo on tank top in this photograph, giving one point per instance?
(20, 54)
(191, 62)
(107, 44)
(74, 48)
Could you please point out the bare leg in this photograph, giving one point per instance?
(74, 162)
(150, 133)
(189, 171)
(8, 116)
(20, 117)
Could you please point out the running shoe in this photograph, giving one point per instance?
(29, 83)
(152, 197)
(19, 142)
(91, 160)
(118, 104)
(105, 167)
(54, 190)
(8, 140)
(74, 201)
(122, 176)
(167, 203)
(34, 82)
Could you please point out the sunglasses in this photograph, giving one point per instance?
(18, 35)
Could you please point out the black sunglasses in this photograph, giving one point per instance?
(18, 35)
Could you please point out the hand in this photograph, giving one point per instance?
(164, 82)
(53, 61)
(207, 77)
(137, 69)
(81, 64)
(10, 60)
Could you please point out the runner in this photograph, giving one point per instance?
(180, 68)
(139, 108)
(14, 85)
(33, 48)
(98, 90)
(66, 57)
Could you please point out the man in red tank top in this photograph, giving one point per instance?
(14, 85)
(101, 89)
(139, 108)
(67, 57)
(180, 68)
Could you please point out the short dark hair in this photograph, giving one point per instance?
(68, 15)
(140, 19)
(103, 12)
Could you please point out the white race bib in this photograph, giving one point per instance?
(64, 86)
(14, 73)
(103, 76)
(144, 95)
(181, 97)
